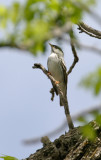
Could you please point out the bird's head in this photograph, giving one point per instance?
(57, 50)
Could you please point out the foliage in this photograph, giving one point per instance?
(88, 131)
(30, 25)
(5, 157)
(93, 82)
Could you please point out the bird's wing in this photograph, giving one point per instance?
(64, 70)
(64, 84)
(54, 87)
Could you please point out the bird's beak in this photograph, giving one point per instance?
(50, 44)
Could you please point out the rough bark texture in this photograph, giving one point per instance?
(71, 146)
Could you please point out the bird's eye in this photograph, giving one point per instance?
(55, 47)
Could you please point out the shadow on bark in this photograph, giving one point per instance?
(71, 146)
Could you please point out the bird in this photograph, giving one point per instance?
(57, 68)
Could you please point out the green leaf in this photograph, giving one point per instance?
(82, 119)
(88, 132)
(93, 82)
(5, 157)
(3, 16)
(98, 119)
(14, 12)
(3, 11)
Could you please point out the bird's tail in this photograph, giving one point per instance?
(64, 90)
(61, 104)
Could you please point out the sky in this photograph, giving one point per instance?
(25, 105)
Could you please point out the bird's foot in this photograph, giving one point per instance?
(49, 73)
(57, 82)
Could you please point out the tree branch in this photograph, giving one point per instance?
(89, 30)
(83, 46)
(90, 48)
(58, 32)
(13, 45)
(52, 92)
(71, 146)
(55, 32)
(76, 59)
(65, 101)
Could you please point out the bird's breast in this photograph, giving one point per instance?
(54, 67)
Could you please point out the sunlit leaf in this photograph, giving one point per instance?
(98, 119)
(93, 82)
(3, 11)
(5, 157)
(88, 132)
(82, 119)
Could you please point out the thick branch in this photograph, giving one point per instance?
(89, 30)
(65, 102)
(71, 146)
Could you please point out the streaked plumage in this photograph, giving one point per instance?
(57, 68)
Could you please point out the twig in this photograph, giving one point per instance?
(79, 45)
(92, 48)
(85, 46)
(64, 100)
(89, 30)
(52, 92)
(83, 5)
(14, 45)
(76, 59)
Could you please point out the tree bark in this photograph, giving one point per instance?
(71, 146)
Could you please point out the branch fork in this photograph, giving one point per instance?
(64, 100)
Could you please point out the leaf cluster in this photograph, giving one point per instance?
(93, 82)
(31, 25)
(89, 132)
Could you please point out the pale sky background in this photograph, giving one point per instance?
(26, 110)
